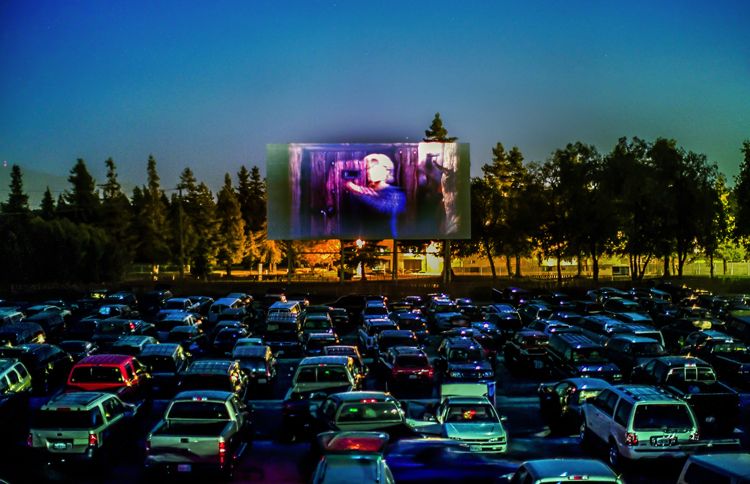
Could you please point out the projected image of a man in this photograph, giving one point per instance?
(382, 201)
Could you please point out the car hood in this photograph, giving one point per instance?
(474, 430)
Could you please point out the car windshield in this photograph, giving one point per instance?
(412, 361)
(648, 349)
(105, 327)
(96, 374)
(588, 355)
(197, 410)
(322, 374)
(470, 413)
(664, 416)
(68, 419)
(533, 341)
(376, 310)
(465, 354)
(692, 373)
(362, 412)
(317, 324)
(253, 365)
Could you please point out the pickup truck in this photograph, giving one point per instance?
(201, 430)
(716, 405)
(731, 361)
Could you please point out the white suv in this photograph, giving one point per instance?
(639, 422)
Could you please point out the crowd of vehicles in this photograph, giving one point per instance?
(634, 379)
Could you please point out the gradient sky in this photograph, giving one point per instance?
(209, 84)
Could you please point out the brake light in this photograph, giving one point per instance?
(132, 326)
(93, 440)
(222, 452)
(430, 372)
(29, 440)
(631, 438)
(368, 400)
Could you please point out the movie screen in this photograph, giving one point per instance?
(368, 191)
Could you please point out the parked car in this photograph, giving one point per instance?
(257, 362)
(15, 390)
(14, 334)
(462, 359)
(78, 349)
(368, 333)
(121, 375)
(200, 430)
(730, 360)
(226, 338)
(81, 426)
(715, 404)
(110, 330)
(527, 350)
(132, 345)
(639, 422)
(412, 321)
(348, 350)
(574, 355)
(51, 321)
(406, 366)
(549, 470)
(165, 363)
(191, 338)
(561, 402)
(727, 468)
(313, 344)
(220, 375)
(628, 351)
(48, 364)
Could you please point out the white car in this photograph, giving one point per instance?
(471, 420)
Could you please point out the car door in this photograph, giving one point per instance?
(599, 414)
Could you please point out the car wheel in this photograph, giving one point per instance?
(616, 460)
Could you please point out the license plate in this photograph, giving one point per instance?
(184, 467)
(262, 380)
(59, 446)
(413, 377)
(538, 365)
(663, 441)
(475, 448)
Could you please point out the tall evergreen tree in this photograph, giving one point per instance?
(83, 200)
(47, 208)
(18, 201)
(151, 220)
(231, 236)
(116, 217)
(438, 132)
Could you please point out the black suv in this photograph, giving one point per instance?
(223, 375)
(49, 365)
(575, 355)
(463, 360)
(165, 362)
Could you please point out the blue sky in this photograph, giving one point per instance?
(209, 84)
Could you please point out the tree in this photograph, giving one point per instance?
(231, 236)
(82, 202)
(713, 232)
(437, 131)
(116, 217)
(251, 194)
(151, 223)
(742, 195)
(18, 201)
(47, 208)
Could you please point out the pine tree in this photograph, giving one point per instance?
(231, 236)
(47, 208)
(116, 217)
(83, 200)
(151, 223)
(437, 131)
(18, 201)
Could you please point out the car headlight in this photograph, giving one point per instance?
(455, 374)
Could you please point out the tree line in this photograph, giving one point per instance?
(643, 200)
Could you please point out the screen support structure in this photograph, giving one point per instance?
(394, 261)
(446, 263)
(341, 261)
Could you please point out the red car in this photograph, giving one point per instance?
(122, 375)
(406, 365)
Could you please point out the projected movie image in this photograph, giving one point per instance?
(368, 191)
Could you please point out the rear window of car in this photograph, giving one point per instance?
(68, 419)
(199, 411)
(657, 417)
(697, 474)
(359, 412)
(412, 361)
(459, 355)
(111, 328)
(96, 374)
(322, 374)
(396, 341)
(317, 323)
(207, 382)
(159, 363)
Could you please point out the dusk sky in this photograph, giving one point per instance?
(209, 84)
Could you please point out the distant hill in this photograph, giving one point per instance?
(36, 182)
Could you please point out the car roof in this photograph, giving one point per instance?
(633, 338)
(407, 350)
(583, 383)
(466, 400)
(250, 351)
(325, 360)
(736, 464)
(209, 366)
(132, 339)
(364, 395)
(77, 400)
(210, 394)
(397, 333)
(159, 349)
(568, 467)
(107, 359)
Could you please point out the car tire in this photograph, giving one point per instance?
(615, 459)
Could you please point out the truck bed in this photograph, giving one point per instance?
(191, 429)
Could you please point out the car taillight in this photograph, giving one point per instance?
(132, 326)
(93, 440)
(430, 372)
(222, 452)
(631, 438)
(29, 440)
